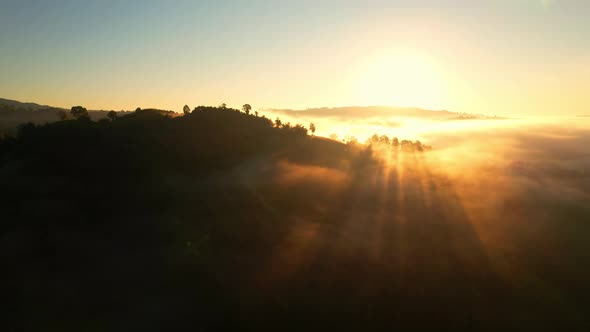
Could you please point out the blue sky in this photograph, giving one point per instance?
(501, 56)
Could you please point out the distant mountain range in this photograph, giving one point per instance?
(14, 113)
(25, 106)
(364, 112)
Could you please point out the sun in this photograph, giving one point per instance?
(401, 78)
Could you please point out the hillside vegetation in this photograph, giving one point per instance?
(223, 219)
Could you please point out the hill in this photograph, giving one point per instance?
(25, 106)
(221, 220)
(193, 204)
(13, 113)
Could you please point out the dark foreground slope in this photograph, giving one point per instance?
(219, 219)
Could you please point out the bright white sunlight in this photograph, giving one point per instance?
(403, 165)
(401, 78)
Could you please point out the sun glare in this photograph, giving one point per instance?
(401, 78)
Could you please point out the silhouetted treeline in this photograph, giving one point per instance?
(119, 205)
(223, 219)
(384, 142)
(209, 138)
(99, 213)
(13, 113)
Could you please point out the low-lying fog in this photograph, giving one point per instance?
(516, 191)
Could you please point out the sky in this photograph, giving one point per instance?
(516, 57)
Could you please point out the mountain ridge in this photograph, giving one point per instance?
(26, 105)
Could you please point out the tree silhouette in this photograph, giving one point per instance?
(186, 110)
(220, 177)
(25, 130)
(373, 140)
(407, 146)
(247, 108)
(312, 128)
(61, 114)
(223, 106)
(112, 115)
(418, 146)
(351, 140)
(298, 130)
(79, 112)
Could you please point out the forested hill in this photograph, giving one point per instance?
(162, 218)
(143, 212)
(13, 113)
(209, 138)
(222, 220)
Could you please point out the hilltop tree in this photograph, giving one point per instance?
(79, 112)
(61, 114)
(299, 130)
(407, 146)
(418, 146)
(373, 139)
(312, 128)
(112, 115)
(25, 129)
(247, 108)
(223, 106)
(351, 140)
(186, 110)
(278, 123)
